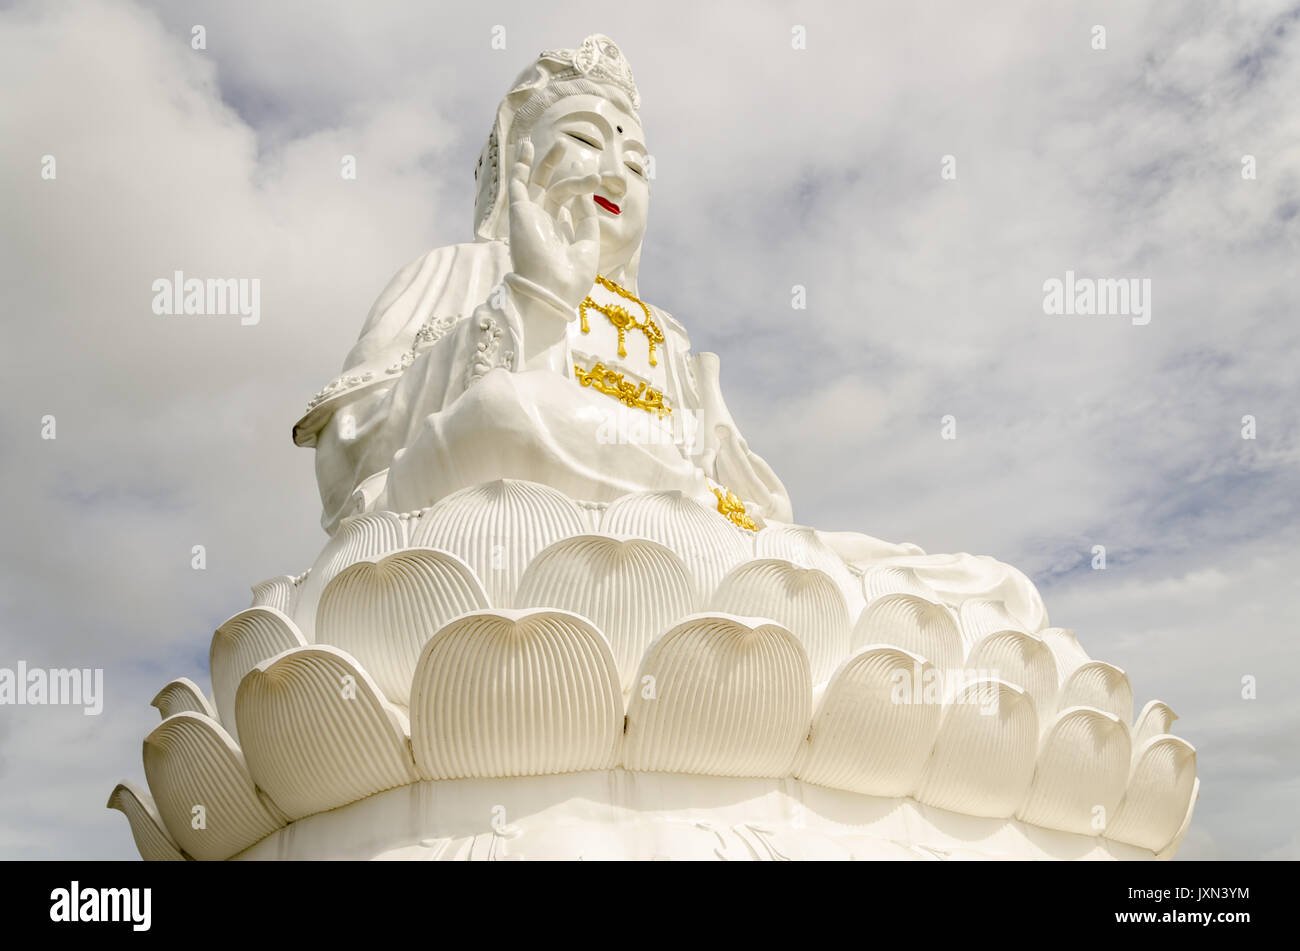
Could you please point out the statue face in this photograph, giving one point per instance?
(579, 135)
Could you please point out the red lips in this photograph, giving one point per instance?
(606, 204)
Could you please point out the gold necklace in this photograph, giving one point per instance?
(623, 319)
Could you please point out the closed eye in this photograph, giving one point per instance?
(635, 168)
(584, 140)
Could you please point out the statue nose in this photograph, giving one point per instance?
(614, 184)
(612, 177)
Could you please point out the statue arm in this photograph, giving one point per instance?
(727, 458)
(542, 320)
(515, 328)
(351, 446)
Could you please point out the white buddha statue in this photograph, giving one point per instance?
(530, 353)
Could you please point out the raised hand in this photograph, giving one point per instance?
(554, 231)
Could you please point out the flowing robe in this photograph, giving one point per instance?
(436, 396)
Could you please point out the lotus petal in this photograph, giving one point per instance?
(244, 641)
(383, 612)
(318, 733)
(280, 593)
(497, 528)
(804, 547)
(632, 590)
(199, 778)
(1100, 685)
(707, 543)
(1169, 851)
(1021, 659)
(1159, 794)
(182, 695)
(983, 758)
(881, 580)
(875, 725)
(1065, 647)
(805, 601)
(358, 537)
(980, 617)
(1156, 718)
(729, 696)
(515, 693)
(152, 840)
(914, 624)
(1082, 769)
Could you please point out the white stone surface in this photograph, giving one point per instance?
(727, 696)
(1162, 781)
(204, 793)
(152, 839)
(616, 814)
(317, 731)
(533, 635)
(911, 622)
(239, 645)
(805, 601)
(538, 691)
(180, 696)
(516, 693)
(631, 589)
(498, 528)
(1082, 768)
(383, 612)
(861, 739)
(1101, 685)
(983, 758)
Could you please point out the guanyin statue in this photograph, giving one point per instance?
(522, 354)
(564, 611)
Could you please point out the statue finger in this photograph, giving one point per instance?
(560, 193)
(518, 189)
(586, 221)
(544, 170)
(520, 173)
(564, 224)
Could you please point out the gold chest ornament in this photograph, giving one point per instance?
(622, 318)
(611, 382)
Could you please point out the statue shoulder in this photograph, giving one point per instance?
(453, 269)
(446, 283)
(682, 361)
(671, 325)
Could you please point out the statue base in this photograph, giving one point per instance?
(618, 814)
(516, 673)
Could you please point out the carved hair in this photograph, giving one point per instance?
(541, 100)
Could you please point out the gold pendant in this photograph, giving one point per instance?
(622, 319)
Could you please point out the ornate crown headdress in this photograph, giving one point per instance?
(600, 60)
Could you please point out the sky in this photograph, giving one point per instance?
(775, 166)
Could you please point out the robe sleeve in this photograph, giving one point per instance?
(717, 446)
(353, 423)
(728, 458)
(356, 445)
